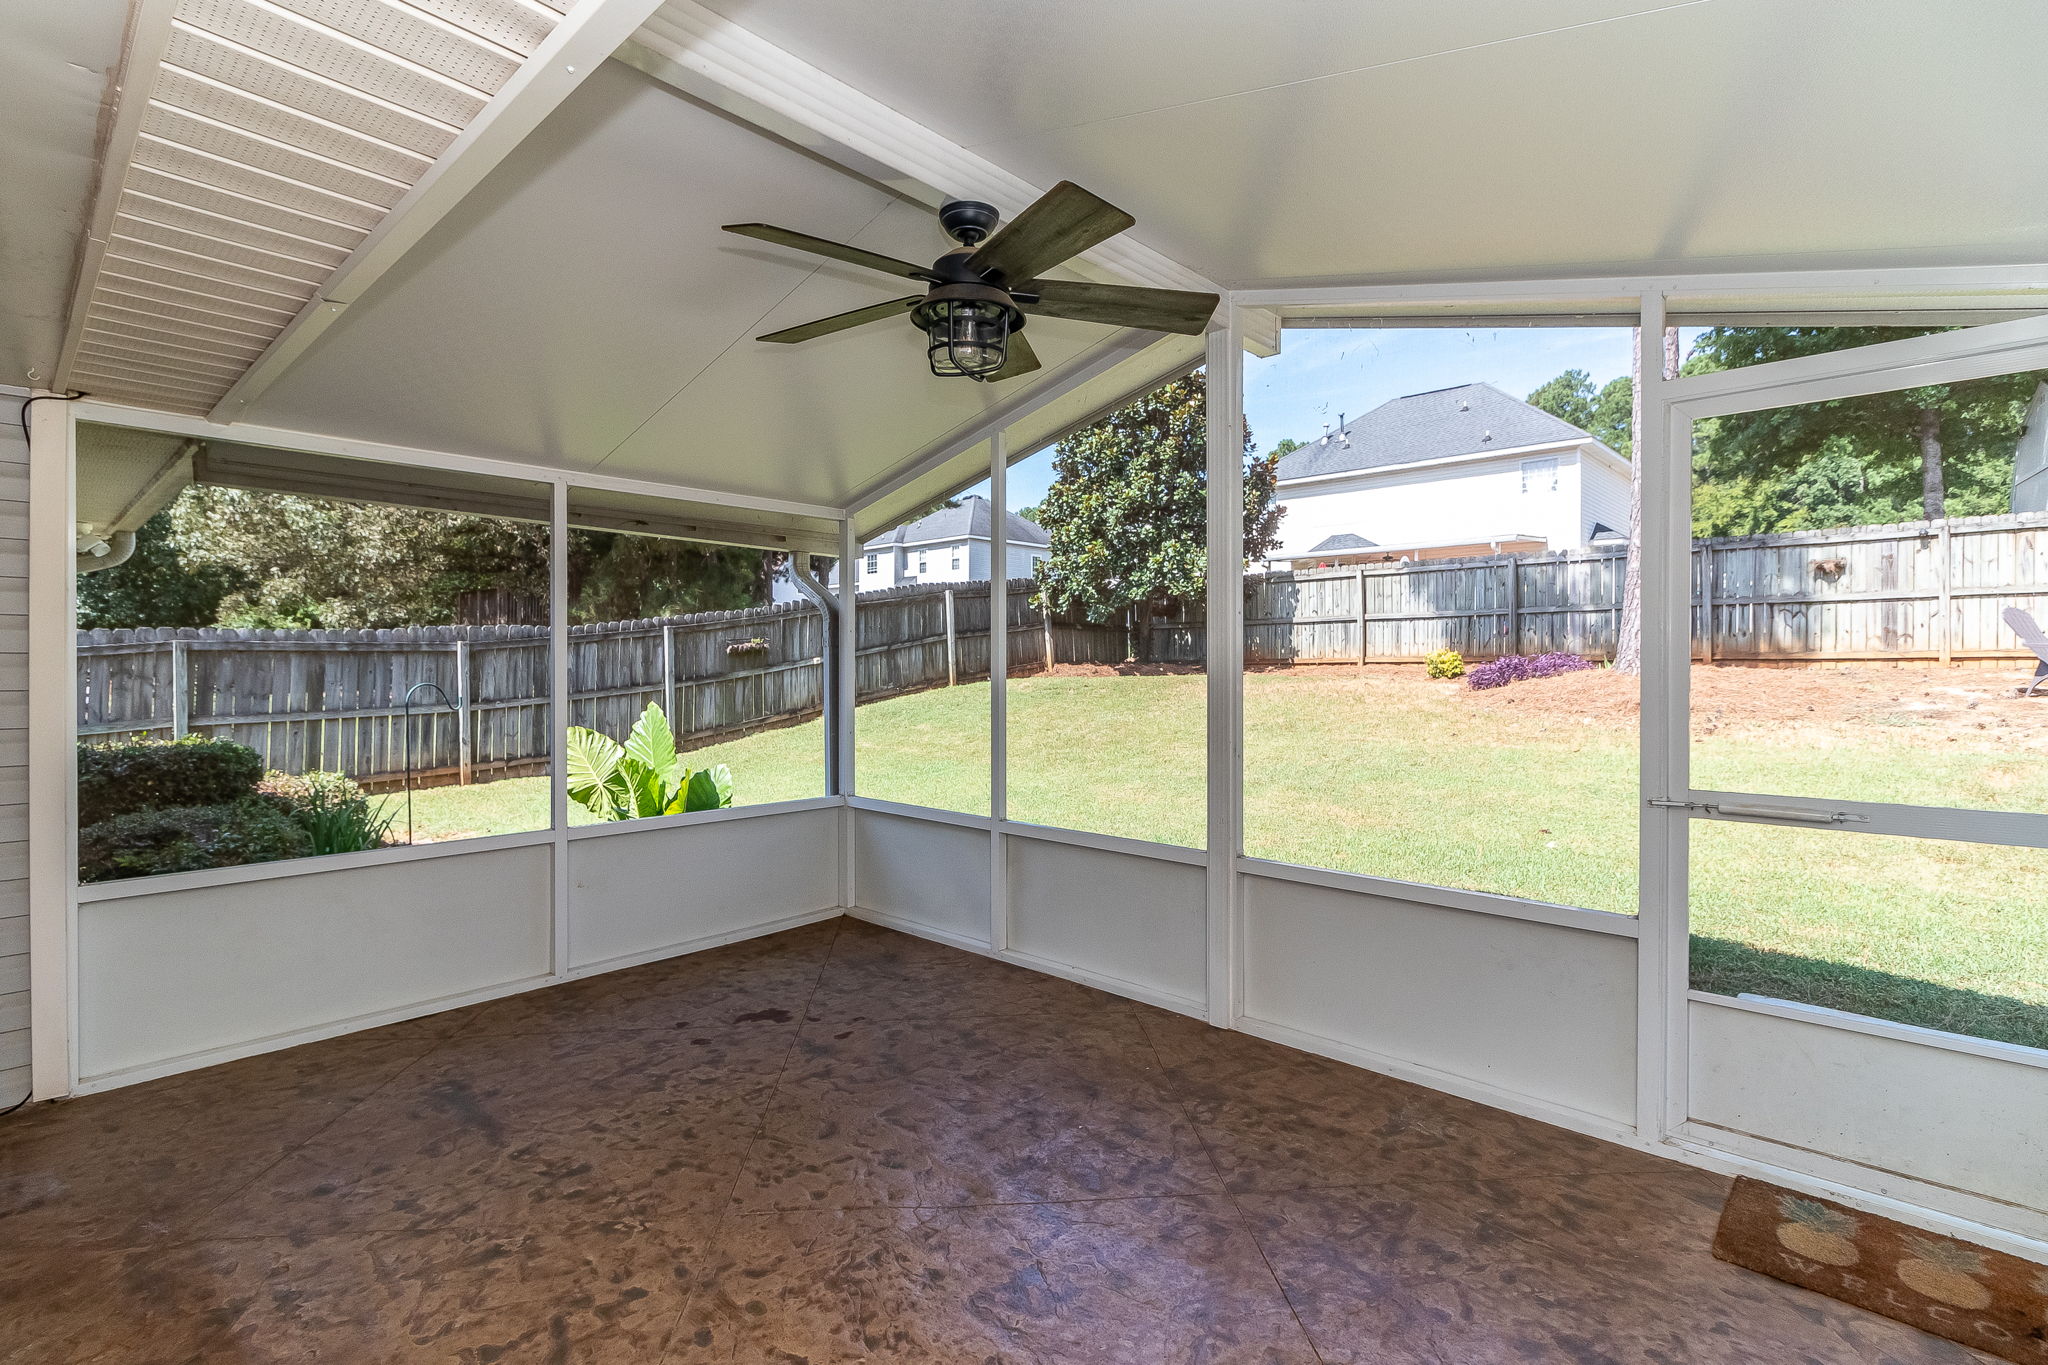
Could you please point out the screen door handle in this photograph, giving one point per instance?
(1804, 815)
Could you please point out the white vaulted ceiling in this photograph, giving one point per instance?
(579, 308)
(1304, 141)
(606, 323)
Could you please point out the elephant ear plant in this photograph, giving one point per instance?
(642, 777)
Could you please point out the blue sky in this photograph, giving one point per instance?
(1321, 373)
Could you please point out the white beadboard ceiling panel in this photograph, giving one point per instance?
(275, 136)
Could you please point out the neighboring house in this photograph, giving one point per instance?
(2030, 457)
(951, 545)
(1452, 472)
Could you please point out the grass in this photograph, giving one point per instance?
(1430, 783)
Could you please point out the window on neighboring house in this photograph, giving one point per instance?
(874, 563)
(923, 560)
(956, 559)
(1540, 476)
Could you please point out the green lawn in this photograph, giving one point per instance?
(1531, 795)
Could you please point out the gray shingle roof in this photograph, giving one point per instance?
(1428, 426)
(1343, 540)
(969, 520)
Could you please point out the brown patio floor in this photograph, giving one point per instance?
(844, 1144)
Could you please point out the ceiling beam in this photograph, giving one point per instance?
(589, 34)
(142, 49)
(712, 59)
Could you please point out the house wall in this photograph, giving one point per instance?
(14, 1015)
(897, 566)
(1448, 503)
(1604, 495)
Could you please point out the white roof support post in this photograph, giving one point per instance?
(558, 723)
(52, 740)
(849, 706)
(998, 691)
(1225, 410)
(577, 46)
(1662, 947)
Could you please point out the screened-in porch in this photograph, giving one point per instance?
(1390, 715)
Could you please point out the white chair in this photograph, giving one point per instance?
(2032, 636)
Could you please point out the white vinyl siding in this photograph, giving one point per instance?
(14, 1034)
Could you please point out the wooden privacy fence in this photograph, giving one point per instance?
(1919, 591)
(335, 699)
(1929, 591)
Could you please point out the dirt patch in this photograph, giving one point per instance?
(1935, 705)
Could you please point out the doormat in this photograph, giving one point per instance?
(1989, 1300)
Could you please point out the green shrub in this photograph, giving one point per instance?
(188, 839)
(149, 774)
(335, 813)
(1446, 663)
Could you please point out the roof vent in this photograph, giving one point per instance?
(1487, 437)
(1464, 405)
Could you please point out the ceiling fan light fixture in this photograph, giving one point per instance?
(966, 336)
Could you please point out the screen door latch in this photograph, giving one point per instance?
(1744, 810)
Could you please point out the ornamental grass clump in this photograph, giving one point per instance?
(1512, 668)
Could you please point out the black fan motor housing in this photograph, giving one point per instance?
(967, 221)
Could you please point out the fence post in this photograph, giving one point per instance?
(181, 689)
(1514, 567)
(1363, 653)
(1946, 605)
(463, 755)
(1703, 559)
(1045, 616)
(668, 677)
(952, 644)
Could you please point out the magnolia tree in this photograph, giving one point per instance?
(1127, 513)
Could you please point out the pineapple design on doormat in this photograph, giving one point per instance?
(1982, 1298)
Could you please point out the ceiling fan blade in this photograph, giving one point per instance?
(1117, 305)
(839, 322)
(838, 251)
(1020, 359)
(1065, 222)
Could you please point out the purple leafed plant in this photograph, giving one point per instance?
(1520, 668)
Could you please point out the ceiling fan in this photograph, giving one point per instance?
(982, 290)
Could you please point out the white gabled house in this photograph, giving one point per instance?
(951, 545)
(1452, 472)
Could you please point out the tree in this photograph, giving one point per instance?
(154, 587)
(1127, 513)
(1613, 415)
(305, 563)
(1604, 412)
(1941, 437)
(1286, 445)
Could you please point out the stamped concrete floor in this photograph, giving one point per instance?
(843, 1144)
